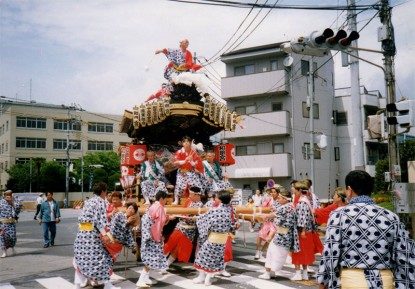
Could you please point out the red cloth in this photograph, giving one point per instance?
(307, 250)
(179, 245)
(158, 215)
(322, 214)
(197, 165)
(114, 249)
(306, 254)
(228, 256)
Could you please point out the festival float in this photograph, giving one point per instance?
(182, 107)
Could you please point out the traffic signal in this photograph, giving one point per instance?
(319, 43)
(406, 114)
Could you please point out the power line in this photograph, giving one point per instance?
(237, 4)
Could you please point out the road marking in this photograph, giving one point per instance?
(7, 286)
(174, 279)
(55, 282)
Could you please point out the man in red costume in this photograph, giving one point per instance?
(181, 60)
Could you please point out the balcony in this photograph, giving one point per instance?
(261, 166)
(264, 124)
(253, 84)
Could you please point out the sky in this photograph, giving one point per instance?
(100, 56)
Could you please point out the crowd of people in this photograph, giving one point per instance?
(365, 246)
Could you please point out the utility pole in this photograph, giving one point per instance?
(357, 114)
(310, 102)
(67, 157)
(386, 36)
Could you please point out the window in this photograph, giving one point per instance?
(2, 148)
(243, 110)
(274, 65)
(6, 164)
(61, 161)
(317, 152)
(306, 112)
(100, 127)
(276, 106)
(278, 148)
(7, 125)
(63, 125)
(100, 145)
(21, 161)
(243, 70)
(305, 67)
(1, 167)
(336, 153)
(7, 147)
(264, 148)
(60, 144)
(30, 143)
(246, 150)
(341, 118)
(30, 122)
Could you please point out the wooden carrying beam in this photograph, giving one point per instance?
(178, 210)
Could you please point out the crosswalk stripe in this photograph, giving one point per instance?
(115, 277)
(173, 279)
(7, 286)
(55, 282)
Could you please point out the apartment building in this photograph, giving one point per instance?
(372, 102)
(37, 130)
(270, 91)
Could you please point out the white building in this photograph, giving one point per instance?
(273, 99)
(36, 130)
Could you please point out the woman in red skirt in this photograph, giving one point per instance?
(310, 243)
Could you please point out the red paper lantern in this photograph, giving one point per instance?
(225, 154)
(132, 155)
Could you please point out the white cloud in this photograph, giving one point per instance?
(96, 51)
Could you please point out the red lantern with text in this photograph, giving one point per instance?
(132, 155)
(225, 154)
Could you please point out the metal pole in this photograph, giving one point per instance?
(357, 112)
(30, 176)
(310, 98)
(67, 160)
(82, 172)
(389, 51)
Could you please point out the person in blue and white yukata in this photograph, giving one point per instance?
(92, 261)
(366, 245)
(214, 229)
(152, 224)
(152, 174)
(215, 181)
(9, 211)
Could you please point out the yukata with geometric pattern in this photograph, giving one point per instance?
(309, 240)
(210, 257)
(152, 246)
(286, 218)
(152, 175)
(90, 256)
(121, 232)
(362, 235)
(213, 178)
(8, 230)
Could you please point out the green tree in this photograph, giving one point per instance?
(407, 153)
(381, 167)
(19, 178)
(92, 170)
(52, 177)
